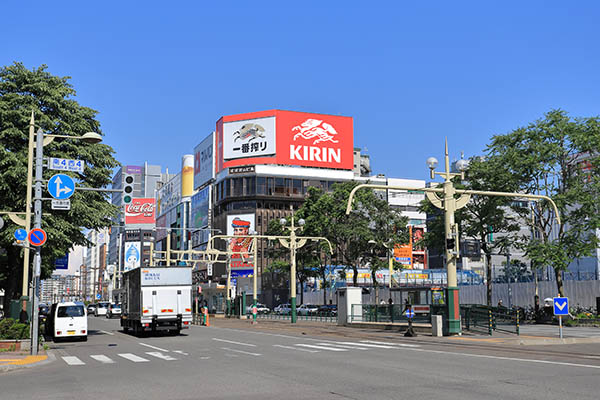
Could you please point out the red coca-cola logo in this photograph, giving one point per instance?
(139, 208)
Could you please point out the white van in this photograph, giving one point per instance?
(67, 320)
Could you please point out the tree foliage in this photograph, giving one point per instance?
(51, 99)
(559, 157)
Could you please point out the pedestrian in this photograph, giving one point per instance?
(500, 305)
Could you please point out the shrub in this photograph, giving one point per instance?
(11, 329)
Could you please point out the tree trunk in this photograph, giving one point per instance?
(375, 285)
(559, 282)
(488, 271)
(355, 276)
(324, 287)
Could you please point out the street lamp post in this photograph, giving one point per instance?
(293, 243)
(451, 200)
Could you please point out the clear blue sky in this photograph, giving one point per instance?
(161, 73)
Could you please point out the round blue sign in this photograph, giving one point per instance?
(61, 186)
(37, 237)
(20, 234)
(410, 313)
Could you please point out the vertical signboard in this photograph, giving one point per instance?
(187, 175)
(169, 195)
(204, 161)
(200, 206)
(132, 255)
(62, 262)
(242, 263)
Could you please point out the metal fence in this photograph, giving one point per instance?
(384, 313)
(489, 319)
(318, 317)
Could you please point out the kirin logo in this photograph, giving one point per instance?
(315, 129)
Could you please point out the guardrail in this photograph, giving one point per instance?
(319, 317)
(490, 319)
(384, 313)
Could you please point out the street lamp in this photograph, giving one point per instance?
(451, 200)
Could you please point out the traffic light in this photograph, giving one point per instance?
(127, 188)
(450, 243)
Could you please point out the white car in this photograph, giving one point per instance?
(101, 309)
(307, 309)
(67, 320)
(260, 309)
(113, 310)
(283, 309)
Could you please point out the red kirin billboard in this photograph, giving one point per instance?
(285, 138)
(140, 211)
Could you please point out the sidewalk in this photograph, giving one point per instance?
(16, 360)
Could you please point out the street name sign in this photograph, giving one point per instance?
(64, 164)
(37, 237)
(561, 305)
(61, 186)
(20, 234)
(61, 204)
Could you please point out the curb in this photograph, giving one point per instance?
(49, 353)
(556, 341)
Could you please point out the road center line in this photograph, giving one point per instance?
(232, 342)
(240, 351)
(154, 347)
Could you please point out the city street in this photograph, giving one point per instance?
(234, 359)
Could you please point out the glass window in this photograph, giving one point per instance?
(237, 188)
(70, 311)
(270, 186)
(297, 187)
(261, 185)
(279, 186)
(250, 185)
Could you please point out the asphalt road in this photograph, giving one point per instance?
(240, 361)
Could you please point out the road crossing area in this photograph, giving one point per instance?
(226, 348)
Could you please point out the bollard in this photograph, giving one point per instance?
(206, 317)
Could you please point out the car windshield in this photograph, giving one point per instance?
(103, 305)
(70, 311)
(116, 306)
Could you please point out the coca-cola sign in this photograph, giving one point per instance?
(140, 211)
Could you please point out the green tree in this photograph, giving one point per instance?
(51, 99)
(557, 156)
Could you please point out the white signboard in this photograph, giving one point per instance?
(132, 255)
(204, 161)
(249, 138)
(168, 196)
(63, 164)
(61, 204)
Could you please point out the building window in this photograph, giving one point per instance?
(261, 186)
(297, 187)
(279, 186)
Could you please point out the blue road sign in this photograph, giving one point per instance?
(98, 296)
(61, 186)
(62, 262)
(410, 313)
(561, 305)
(37, 237)
(20, 234)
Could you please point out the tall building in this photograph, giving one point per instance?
(94, 261)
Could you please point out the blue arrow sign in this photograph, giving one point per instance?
(410, 313)
(61, 186)
(20, 234)
(561, 305)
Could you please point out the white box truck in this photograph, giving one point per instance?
(157, 298)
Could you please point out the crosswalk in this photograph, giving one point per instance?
(242, 349)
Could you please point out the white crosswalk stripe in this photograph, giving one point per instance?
(312, 346)
(133, 357)
(343, 346)
(102, 358)
(390, 343)
(160, 355)
(71, 360)
(379, 346)
(295, 348)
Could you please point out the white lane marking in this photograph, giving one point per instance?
(595, 357)
(160, 355)
(378, 346)
(390, 343)
(133, 357)
(343, 346)
(181, 352)
(103, 359)
(204, 358)
(321, 347)
(232, 342)
(240, 351)
(108, 333)
(295, 348)
(71, 360)
(508, 358)
(154, 347)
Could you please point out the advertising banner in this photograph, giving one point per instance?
(187, 175)
(169, 195)
(241, 225)
(404, 253)
(140, 211)
(204, 161)
(200, 206)
(161, 225)
(249, 138)
(285, 138)
(132, 255)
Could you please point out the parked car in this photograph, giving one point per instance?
(91, 308)
(113, 310)
(101, 309)
(329, 310)
(283, 309)
(260, 309)
(307, 309)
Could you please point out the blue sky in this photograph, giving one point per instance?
(410, 73)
